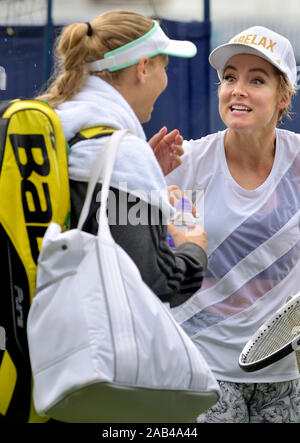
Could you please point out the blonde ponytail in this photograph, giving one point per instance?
(80, 44)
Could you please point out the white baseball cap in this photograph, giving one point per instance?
(152, 43)
(262, 42)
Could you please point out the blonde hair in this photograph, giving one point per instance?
(75, 48)
(285, 88)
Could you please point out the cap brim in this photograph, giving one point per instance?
(220, 56)
(180, 48)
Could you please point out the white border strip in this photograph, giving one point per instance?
(271, 250)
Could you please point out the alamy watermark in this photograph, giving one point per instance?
(140, 207)
(2, 339)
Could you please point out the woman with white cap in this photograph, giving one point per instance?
(250, 174)
(109, 72)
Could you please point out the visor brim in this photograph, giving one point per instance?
(220, 56)
(180, 48)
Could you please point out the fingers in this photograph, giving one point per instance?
(158, 137)
(176, 161)
(174, 189)
(176, 146)
(168, 149)
(177, 235)
(175, 194)
(178, 140)
(178, 150)
(173, 138)
(197, 235)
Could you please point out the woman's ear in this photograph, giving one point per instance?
(142, 70)
(284, 101)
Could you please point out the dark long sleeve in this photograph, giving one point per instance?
(173, 277)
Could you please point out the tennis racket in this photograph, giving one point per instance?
(275, 339)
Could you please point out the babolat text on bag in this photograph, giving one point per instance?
(34, 191)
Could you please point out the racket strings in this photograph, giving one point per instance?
(275, 335)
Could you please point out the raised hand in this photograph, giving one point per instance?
(167, 148)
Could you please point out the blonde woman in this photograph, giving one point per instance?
(250, 174)
(109, 72)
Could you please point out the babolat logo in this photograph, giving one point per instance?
(2, 339)
(33, 212)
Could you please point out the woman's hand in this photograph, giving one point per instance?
(167, 148)
(175, 194)
(197, 235)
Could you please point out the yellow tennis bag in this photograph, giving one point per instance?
(34, 191)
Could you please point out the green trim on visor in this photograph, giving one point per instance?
(129, 45)
(134, 42)
(133, 50)
(153, 54)
(134, 62)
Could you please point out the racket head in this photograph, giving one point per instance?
(275, 339)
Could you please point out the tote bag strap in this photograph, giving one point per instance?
(102, 169)
(119, 311)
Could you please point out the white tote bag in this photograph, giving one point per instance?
(103, 347)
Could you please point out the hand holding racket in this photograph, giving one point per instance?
(275, 339)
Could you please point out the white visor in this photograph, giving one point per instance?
(153, 43)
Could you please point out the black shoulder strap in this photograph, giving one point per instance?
(4, 105)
